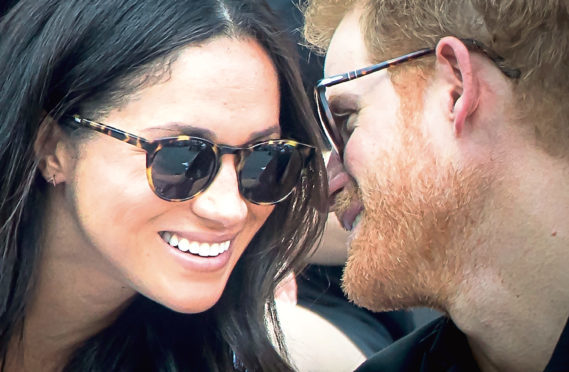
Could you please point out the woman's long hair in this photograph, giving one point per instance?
(85, 56)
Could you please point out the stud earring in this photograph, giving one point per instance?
(52, 180)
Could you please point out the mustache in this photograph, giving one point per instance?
(344, 198)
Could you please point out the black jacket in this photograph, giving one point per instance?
(440, 346)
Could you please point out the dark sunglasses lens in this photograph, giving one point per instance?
(270, 172)
(180, 172)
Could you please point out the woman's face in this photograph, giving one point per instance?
(225, 90)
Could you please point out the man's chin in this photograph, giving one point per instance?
(404, 254)
(383, 282)
(373, 278)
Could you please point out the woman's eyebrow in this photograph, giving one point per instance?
(189, 130)
(177, 129)
(264, 134)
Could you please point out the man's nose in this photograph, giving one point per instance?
(221, 203)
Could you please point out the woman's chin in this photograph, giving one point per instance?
(190, 304)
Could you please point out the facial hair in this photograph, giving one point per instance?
(412, 245)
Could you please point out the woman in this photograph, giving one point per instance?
(160, 253)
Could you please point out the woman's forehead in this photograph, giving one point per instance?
(226, 86)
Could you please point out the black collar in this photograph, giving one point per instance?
(441, 347)
(560, 359)
(449, 351)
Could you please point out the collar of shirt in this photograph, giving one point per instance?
(451, 352)
(560, 359)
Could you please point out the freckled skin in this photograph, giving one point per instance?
(402, 253)
(107, 189)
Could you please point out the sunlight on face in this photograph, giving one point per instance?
(418, 208)
(225, 90)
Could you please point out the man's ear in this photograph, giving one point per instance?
(454, 68)
(50, 150)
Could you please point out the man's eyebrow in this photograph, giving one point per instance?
(177, 129)
(343, 103)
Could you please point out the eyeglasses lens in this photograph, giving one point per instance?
(270, 172)
(180, 172)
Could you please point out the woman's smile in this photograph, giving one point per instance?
(210, 257)
(161, 163)
(198, 248)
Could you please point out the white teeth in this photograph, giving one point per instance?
(214, 249)
(173, 240)
(194, 247)
(184, 245)
(197, 248)
(204, 250)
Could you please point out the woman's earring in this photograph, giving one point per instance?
(52, 180)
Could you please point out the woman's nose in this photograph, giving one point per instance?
(221, 202)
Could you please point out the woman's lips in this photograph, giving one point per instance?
(203, 249)
(196, 262)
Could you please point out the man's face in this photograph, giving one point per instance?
(409, 207)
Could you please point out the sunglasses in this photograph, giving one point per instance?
(179, 168)
(337, 137)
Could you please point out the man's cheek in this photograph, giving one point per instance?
(361, 154)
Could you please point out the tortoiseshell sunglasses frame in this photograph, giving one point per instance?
(151, 147)
(333, 133)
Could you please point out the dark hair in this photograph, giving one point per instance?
(61, 57)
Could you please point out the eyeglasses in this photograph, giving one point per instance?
(338, 138)
(179, 168)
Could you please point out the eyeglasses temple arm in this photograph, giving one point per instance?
(123, 136)
(512, 73)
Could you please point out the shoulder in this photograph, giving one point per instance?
(407, 353)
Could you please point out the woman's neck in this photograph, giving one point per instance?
(74, 298)
(68, 307)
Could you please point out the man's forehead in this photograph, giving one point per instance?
(347, 50)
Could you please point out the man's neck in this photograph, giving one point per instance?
(512, 332)
(514, 302)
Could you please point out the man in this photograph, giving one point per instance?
(451, 172)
